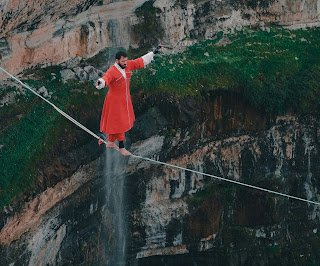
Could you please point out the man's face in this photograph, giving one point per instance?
(122, 62)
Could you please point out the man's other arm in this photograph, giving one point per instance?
(104, 81)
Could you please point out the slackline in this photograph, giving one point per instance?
(155, 161)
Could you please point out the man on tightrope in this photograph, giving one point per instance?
(117, 114)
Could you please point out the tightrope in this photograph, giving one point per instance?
(55, 107)
(228, 180)
(155, 161)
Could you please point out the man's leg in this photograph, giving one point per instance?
(122, 149)
(121, 144)
(112, 138)
(120, 138)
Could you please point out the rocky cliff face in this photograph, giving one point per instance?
(173, 212)
(178, 212)
(35, 236)
(51, 32)
(73, 222)
(168, 212)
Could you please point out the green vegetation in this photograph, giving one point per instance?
(238, 235)
(272, 250)
(149, 31)
(276, 70)
(230, 193)
(99, 60)
(31, 128)
(221, 191)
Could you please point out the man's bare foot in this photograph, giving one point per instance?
(112, 145)
(124, 152)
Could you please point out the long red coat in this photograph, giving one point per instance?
(117, 114)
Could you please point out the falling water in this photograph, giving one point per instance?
(115, 174)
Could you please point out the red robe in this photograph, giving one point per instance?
(117, 114)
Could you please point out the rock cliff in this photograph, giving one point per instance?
(172, 212)
(42, 33)
(213, 222)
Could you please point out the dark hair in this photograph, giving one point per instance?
(121, 53)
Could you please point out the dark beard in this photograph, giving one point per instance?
(123, 67)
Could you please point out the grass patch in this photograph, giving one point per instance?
(276, 70)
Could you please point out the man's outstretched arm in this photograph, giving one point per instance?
(146, 59)
(103, 82)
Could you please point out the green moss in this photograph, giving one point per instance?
(99, 59)
(24, 147)
(315, 245)
(44, 73)
(273, 250)
(240, 236)
(275, 71)
(29, 138)
(223, 192)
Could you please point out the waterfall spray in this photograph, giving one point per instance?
(115, 174)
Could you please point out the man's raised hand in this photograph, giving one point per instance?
(157, 49)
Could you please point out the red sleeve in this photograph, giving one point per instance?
(135, 64)
(107, 77)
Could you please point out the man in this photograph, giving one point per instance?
(117, 114)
